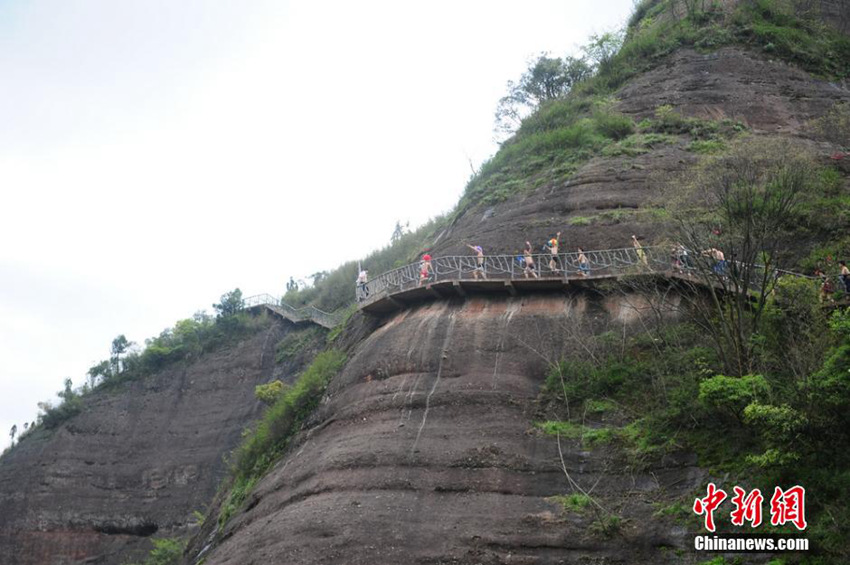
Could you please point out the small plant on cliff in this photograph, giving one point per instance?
(166, 551)
(270, 392)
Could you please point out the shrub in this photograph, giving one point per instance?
(834, 127)
(269, 392)
(166, 551)
(575, 502)
(613, 125)
(733, 394)
(708, 146)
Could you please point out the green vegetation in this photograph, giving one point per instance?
(573, 502)
(589, 436)
(639, 144)
(269, 392)
(346, 317)
(573, 123)
(166, 551)
(620, 215)
(834, 126)
(708, 146)
(281, 421)
(290, 346)
(786, 424)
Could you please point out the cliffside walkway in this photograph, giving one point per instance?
(307, 314)
(456, 275)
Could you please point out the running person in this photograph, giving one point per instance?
(641, 254)
(362, 279)
(529, 260)
(424, 269)
(583, 263)
(552, 246)
(479, 252)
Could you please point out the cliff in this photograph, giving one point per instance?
(138, 461)
(425, 451)
(427, 447)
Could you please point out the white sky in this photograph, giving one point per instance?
(155, 154)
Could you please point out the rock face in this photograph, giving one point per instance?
(425, 451)
(136, 462)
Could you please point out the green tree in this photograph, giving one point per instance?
(99, 373)
(13, 433)
(398, 232)
(743, 203)
(231, 303)
(602, 48)
(120, 345)
(547, 78)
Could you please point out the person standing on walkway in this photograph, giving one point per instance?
(719, 267)
(424, 269)
(583, 263)
(529, 260)
(683, 257)
(362, 279)
(641, 254)
(826, 287)
(479, 269)
(845, 276)
(552, 247)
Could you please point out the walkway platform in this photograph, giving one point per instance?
(389, 302)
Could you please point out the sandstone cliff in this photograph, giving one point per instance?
(425, 452)
(138, 461)
(424, 449)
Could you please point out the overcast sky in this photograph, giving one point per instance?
(155, 154)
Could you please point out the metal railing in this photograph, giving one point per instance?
(514, 267)
(305, 314)
(565, 266)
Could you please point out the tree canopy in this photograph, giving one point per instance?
(231, 303)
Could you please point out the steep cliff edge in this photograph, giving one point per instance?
(138, 460)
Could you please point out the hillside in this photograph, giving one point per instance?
(572, 426)
(428, 447)
(140, 459)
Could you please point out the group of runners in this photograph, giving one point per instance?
(681, 260)
(525, 259)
